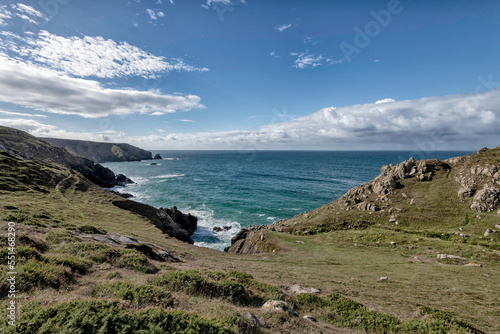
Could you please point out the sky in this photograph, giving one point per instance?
(254, 74)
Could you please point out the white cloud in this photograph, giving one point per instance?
(29, 125)
(5, 14)
(15, 113)
(151, 14)
(214, 3)
(384, 101)
(93, 56)
(27, 9)
(377, 61)
(283, 27)
(307, 59)
(31, 86)
(38, 129)
(186, 120)
(471, 119)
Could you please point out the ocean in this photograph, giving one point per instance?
(235, 189)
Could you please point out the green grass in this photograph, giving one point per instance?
(339, 310)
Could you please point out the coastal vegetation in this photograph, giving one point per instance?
(402, 254)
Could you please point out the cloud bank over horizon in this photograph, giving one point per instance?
(383, 124)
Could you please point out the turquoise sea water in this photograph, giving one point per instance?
(238, 189)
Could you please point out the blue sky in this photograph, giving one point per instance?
(235, 74)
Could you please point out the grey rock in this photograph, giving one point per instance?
(489, 232)
(277, 305)
(104, 239)
(447, 256)
(486, 199)
(252, 319)
(297, 289)
(310, 318)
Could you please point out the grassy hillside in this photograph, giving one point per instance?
(86, 266)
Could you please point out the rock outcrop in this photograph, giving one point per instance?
(170, 221)
(102, 152)
(371, 196)
(387, 200)
(157, 157)
(478, 180)
(253, 240)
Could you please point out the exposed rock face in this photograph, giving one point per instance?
(370, 196)
(23, 145)
(252, 240)
(486, 199)
(481, 181)
(157, 157)
(170, 221)
(102, 152)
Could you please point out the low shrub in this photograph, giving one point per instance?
(91, 316)
(137, 295)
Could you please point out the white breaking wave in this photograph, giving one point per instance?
(205, 236)
(167, 176)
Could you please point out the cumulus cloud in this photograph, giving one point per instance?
(44, 89)
(472, 119)
(92, 56)
(445, 120)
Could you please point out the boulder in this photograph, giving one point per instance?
(489, 232)
(252, 320)
(277, 305)
(297, 289)
(157, 157)
(310, 318)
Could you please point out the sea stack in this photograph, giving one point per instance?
(157, 157)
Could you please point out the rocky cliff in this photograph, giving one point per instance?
(23, 145)
(429, 193)
(30, 164)
(170, 221)
(102, 152)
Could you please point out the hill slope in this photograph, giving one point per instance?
(23, 145)
(102, 152)
(84, 265)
